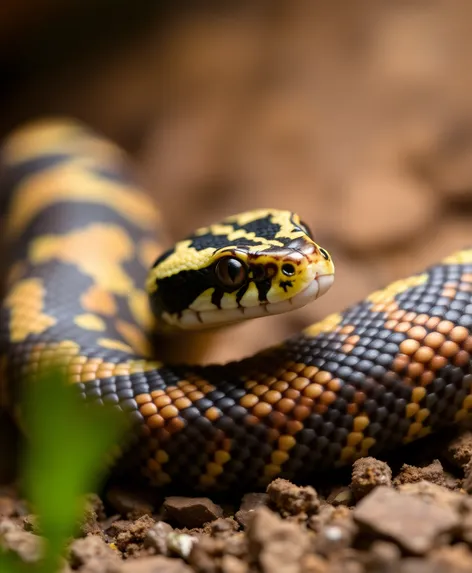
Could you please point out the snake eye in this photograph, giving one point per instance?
(231, 272)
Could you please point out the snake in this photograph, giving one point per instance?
(89, 282)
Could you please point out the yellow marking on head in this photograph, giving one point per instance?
(461, 257)
(389, 293)
(139, 306)
(285, 219)
(90, 322)
(97, 299)
(72, 182)
(184, 258)
(25, 301)
(134, 336)
(326, 325)
(97, 250)
(114, 345)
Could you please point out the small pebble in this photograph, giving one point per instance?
(157, 536)
(191, 512)
(249, 503)
(290, 499)
(415, 525)
(368, 473)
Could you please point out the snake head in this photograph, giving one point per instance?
(250, 265)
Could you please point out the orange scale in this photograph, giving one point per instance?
(400, 362)
(417, 333)
(89, 367)
(298, 367)
(433, 322)
(174, 394)
(359, 397)
(299, 383)
(155, 421)
(278, 419)
(301, 412)
(280, 386)
(402, 327)
(260, 389)
(328, 397)
(310, 371)
(468, 344)
(285, 405)
(323, 377)
(421, 319)
(262, 409)
(426, 378)
(448, 349)
(148, 409)
(334, 385)
(462, 358)
(186, 387)
(291, 393)
(88, 377)
(175, 425)
(142, 399)
(437, 362)
(182, 403)
(212, 414)
(424, 354)
(195, 395)
(352, 409)
(415, 369)
(162, 401)
(169, 411)
(445, 326)
(273, 435)
(157, 393)
(398, 314)
(305, 401)
(272, 396)
(458, 334)
(289, 376)
(313, 391)
(248, 401)
(409, 316)
(293, 427)
(434, 340)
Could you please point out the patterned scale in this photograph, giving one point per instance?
(81, 238)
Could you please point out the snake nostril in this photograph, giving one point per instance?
(324, 253)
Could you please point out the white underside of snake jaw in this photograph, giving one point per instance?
(192, 320)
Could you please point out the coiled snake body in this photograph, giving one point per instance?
(80, 241)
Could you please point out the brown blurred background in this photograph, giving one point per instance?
(358, 115)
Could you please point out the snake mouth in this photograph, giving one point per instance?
(193, 320)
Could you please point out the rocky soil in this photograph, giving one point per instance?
(387, 518)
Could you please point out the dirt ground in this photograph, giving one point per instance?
(359, 117)
(386, 518)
